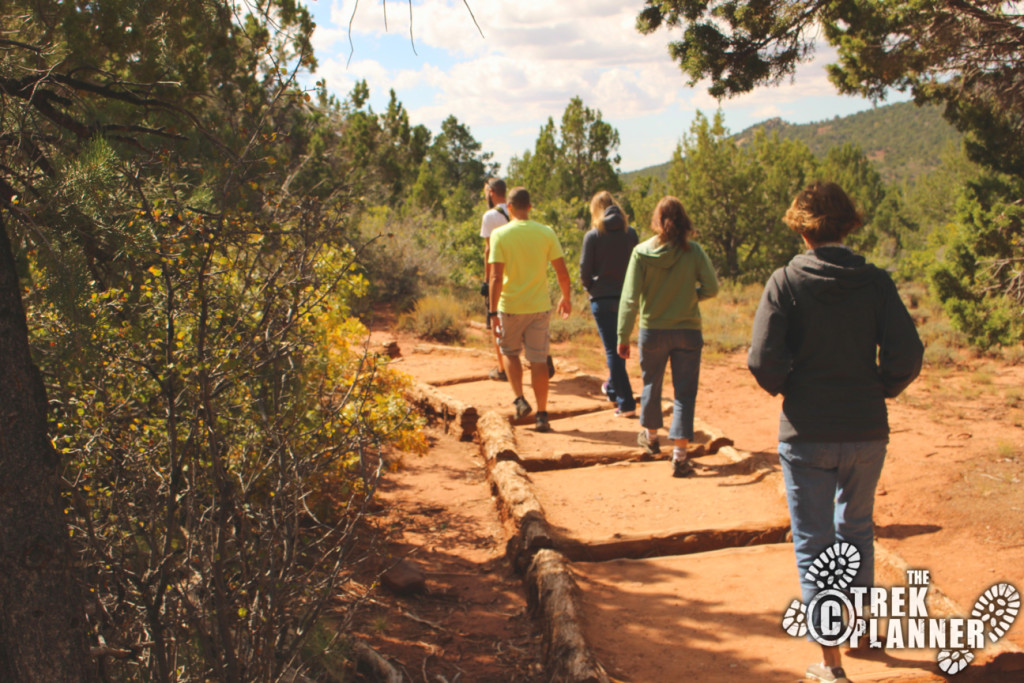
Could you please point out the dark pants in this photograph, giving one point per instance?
(606, 314)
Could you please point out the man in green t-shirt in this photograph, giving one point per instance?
(520, 306)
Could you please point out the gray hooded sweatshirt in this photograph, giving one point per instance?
(833, 337)
(605, 255)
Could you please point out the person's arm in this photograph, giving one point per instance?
(629, 302)
(487, 258)
(562, 273)
(486, 229)
(900, 351)
(707, 281)
(497, 274)
(587, 260)
(769, 359)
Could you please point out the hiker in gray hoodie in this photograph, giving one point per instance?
(666, 278)
(833, 337)
(603, 259)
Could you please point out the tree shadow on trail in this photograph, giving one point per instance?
(903, 531)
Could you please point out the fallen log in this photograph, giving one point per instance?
(450, 410)
(553, 598)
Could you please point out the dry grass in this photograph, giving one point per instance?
(442, 318)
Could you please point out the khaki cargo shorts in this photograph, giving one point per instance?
(525, 330)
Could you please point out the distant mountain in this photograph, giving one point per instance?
(903, 140)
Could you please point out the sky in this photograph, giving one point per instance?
(535, 55)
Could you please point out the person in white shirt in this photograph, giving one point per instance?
(494, 218)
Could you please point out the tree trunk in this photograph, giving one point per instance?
(42, 615)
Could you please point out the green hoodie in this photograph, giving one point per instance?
(663, 284)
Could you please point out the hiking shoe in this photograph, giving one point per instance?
(650, 447)
(624, 413)
(551, 367)
(682, 468)
(542, 421)
(498, 375)
(522, 408)
(827, 674)
(604, 388)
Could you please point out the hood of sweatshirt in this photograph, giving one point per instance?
(830, 274)
(613, 219)
(656, 255)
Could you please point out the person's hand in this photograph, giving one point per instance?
(624, 351)
(564, 307)
(496, 326)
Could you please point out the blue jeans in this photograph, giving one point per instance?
(606, 315)
(682, 349)
(830, 488)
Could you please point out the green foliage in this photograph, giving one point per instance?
(639, 200)
(572, 162)
(184, 216)
(400, 256)
(735, 197)
(453, 172)
(570, 220)
(954, 54)
(980, 279)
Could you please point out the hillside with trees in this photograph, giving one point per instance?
(902, 140)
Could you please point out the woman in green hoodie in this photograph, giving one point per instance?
(666, 277)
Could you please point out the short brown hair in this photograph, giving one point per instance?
(822, 212)
(496, 185)
(519, 198)
(671, 224)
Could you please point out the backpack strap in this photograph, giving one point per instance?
(504, 213)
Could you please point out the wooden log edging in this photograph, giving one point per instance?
(519, 506)
(451, 410)
(552, 595)
(497, 438)
(553, 598)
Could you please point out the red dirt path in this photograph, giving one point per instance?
(949, 501)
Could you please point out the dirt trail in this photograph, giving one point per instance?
(679, 579)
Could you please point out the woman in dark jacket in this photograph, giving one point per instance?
(833, 337)
(603, 261)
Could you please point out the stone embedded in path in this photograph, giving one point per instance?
(624, 504)
(569, 396)
(404, 578)
(439, 365)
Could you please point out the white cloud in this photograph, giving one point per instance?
(535, 56)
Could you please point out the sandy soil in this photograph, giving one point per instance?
(949, 501)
